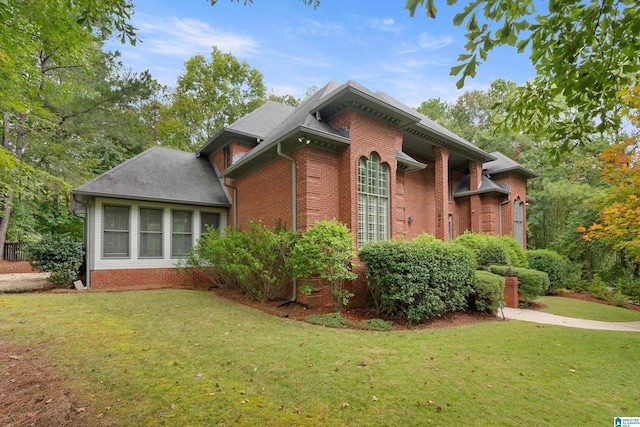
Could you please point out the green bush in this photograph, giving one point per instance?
(485, 249)
(376, 325)
(552, 263)
(517, 255)
(59, 254)
(618, 299)
(531, 283)
(330, 320)
(258, 260)
(598, 288)
(418, 280)
(492, 254)
(488, 290)
(326, 249)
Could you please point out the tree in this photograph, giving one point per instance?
(619, 223)
(583, 53)
(209, 95)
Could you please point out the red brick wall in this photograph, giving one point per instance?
(419, 198)
(518, 191)
(265, 195)
(318, 186)
(368, 135)
(441, 192)
(14, 267)
(145, 277)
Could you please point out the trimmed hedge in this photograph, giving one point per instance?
(552, 263)
(488, 290)
(418, 279)
(493, 250)
(532, 283)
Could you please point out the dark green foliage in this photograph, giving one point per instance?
(59, 254)
(326, 249)
(552, 263)
(488, 290)
(257, 260)
(492, 254)
(493, 250)
(418, 280)
(531, 283)
(376, 325)
(598, 288)
(330, 320)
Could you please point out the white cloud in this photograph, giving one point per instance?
(429, 42)
(317, 28)
(386, 24)
(186, 37)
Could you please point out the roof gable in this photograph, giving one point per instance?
(161, 174)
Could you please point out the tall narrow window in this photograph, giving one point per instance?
(209, 221)
(373, 200)
(181, 233)
(450, 222)
(115, 232)
(150, 233)
(518, 221)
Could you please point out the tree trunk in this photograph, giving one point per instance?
(4, 221)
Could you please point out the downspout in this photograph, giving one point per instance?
(500, 213)
(85, 238)
(235, 202)
(294, 212)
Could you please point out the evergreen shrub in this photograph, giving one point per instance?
(418, 280)
(488, 290)
(552, 263)
(59, 254)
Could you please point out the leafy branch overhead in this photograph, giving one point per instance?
(584, 53)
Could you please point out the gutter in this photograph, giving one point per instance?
(294, 213)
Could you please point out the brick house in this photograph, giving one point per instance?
(346, 152)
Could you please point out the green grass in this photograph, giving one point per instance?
(571, 307)
(182, 358)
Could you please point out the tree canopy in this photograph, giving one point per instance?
(584, 53)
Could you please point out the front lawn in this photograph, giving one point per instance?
(180, 358)
(571, 307)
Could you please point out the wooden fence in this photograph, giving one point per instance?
(15, 251)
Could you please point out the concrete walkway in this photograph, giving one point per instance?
(552, 319)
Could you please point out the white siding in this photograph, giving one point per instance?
(97, 262)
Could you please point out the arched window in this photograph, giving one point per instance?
(373, 200)
(518, 221)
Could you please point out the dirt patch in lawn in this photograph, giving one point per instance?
(31, 394)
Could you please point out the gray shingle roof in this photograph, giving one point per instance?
(504, 164)
(309, 119)
(163, 175)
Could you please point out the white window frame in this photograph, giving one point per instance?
(203, 229)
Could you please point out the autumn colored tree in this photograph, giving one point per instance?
(619, 223)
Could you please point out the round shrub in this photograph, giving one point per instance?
(418, 280)
(492, 254)
(485, 251)
(552, 263)
(59, 254)
(488, 290)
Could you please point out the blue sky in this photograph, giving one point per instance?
(374, 42)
